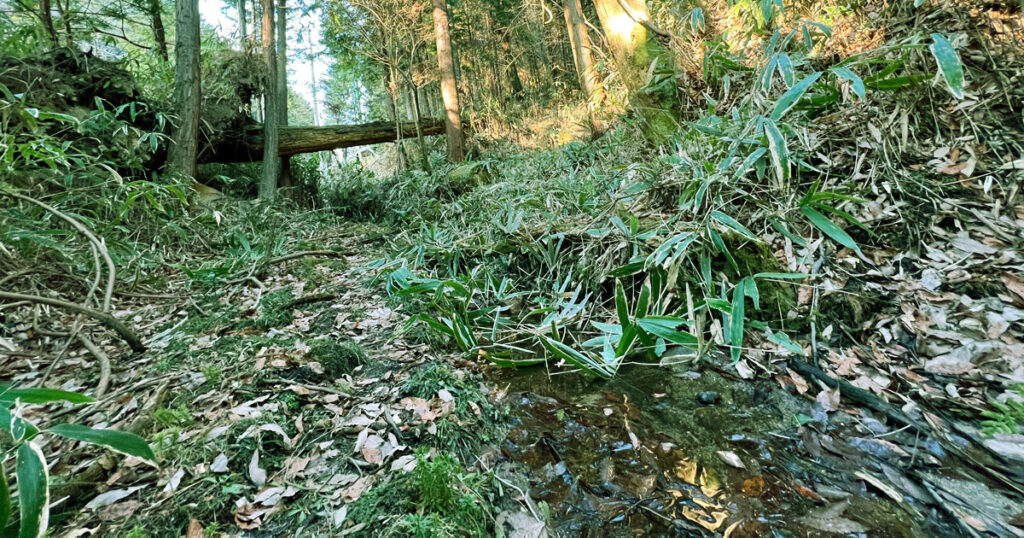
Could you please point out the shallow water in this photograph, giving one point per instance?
(642, 455)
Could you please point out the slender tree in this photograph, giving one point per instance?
(46, 16)
(271, 116)
(159, 33)
(243, 32)
(282, 83)
(186, 87)
(579, 38)
(453, 119)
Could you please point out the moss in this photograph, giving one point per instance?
(274, 308)
(438, 498)
(338, 357)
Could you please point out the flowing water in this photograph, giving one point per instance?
(681, 453)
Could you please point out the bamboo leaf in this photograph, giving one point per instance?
(829, 228)
(116, 440)
(736, 320)
(5, 500)
(33, 491)
(790, 98)
(856, 83)
(734, 224)
(779, 151)
(41, 395)
(950, 66)
(666, 327)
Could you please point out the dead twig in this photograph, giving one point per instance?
(97, 245)
(110, 321)
(103, 359)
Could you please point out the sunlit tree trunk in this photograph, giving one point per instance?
(159, 34)
(186, 87)
(579, 37)
(627, 26)
(271, 116)
(243, 32)
(282, 83)
(453, 119)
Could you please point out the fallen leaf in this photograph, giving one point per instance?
(220, 463)
(731, 458)
(110, 497)
(256, 474)
(195, 529)
(519, 525)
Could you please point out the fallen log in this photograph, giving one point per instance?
(247, 146)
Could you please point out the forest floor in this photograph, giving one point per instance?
(294, 401)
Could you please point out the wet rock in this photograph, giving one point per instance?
(708, 397)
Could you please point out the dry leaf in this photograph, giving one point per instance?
(256, 474)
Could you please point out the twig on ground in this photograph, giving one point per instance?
(110, 321)
(104, 360)
(97, 245)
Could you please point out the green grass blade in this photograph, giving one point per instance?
(779, 151)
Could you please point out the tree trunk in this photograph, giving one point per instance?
(243, 32)
(159, 34)
(46, 16)
(248, 146)
(65, 17)
(511, 65)
(271, 116)
(282, 83)
(579, 37)
(312, 72)
(186, 87)
(626, 24)
(453, 119)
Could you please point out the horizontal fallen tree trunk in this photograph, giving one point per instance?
(247, 146)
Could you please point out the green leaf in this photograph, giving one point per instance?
(572, 356)
(790, 98)
(856, 83)
(736, 320)
(40, 396)
(5, 500)
(33, 491)
(829, 228)
(16, 426)
(666, 327)
(949, 64)
(118, 441)
(620, 304)
(734, 224)
(783, 340)
(783, 276)
(779, 151)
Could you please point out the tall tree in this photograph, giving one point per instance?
(452, 119)
(186, 86)
(159, 33)
(271, 116)
(46, 17)
(282, 84)
(579, 38)
(243, 32)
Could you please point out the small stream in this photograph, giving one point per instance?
(681, 453)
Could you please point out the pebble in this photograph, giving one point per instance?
(708, 397)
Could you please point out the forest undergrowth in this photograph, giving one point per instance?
(846, 227)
